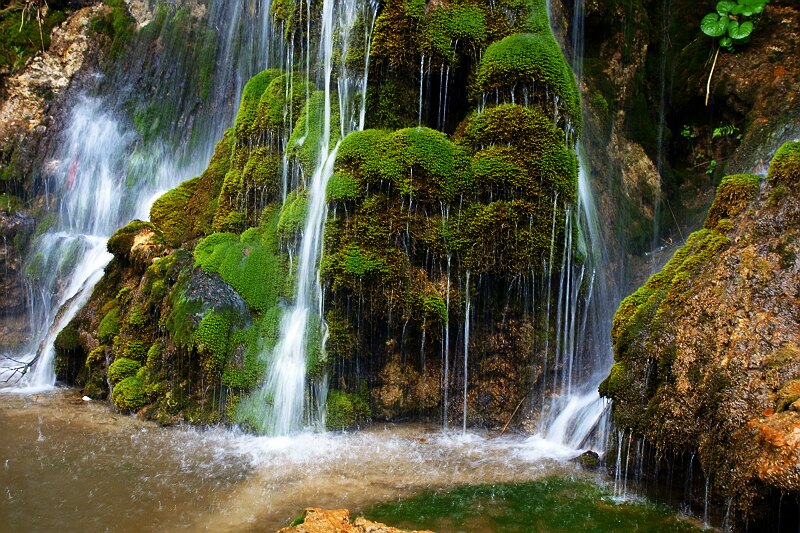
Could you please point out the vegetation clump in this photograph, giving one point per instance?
(345, 410)
(529, 66)
(733, 194)
(733, 21)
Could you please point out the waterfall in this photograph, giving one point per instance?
(285, 385)
(104, 172)
(576, 415)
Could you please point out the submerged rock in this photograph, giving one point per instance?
(315, 520)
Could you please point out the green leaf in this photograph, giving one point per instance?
(713, 25)
(740, 31)
(724, 7)
(726, 42)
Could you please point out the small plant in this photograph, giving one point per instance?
(728, 130)
(732, 21)
(687, 132)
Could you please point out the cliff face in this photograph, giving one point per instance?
(708, 350)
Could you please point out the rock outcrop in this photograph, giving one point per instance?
(708, 350)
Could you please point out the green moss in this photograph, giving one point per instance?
(109, 326)
(527, 60)
(249, 104)
(556, 504)
(249, 349)
(121, 242)
(169, 213)
(135, 349)
(785, 166)
(130, 394)
(116, 24)
(20, 37)
(293, 214)
(520, 153)
(345, 410)
(642, 328)
(251, 264)
(342, 187)
(787, 395)
(9, 203)
(418, 162)
(211, 341)
(392, 104)
(446, 26)
(154, 354)
(122, 368)
(733, 194)
(68, 339)
(281, 101)
(305, 143)
(435, 308)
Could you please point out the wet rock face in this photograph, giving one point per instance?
(14, 228)
(708, 350)
(761, 83)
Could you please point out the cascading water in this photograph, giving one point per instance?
(285, 387)
(106, 172)
(576, 415)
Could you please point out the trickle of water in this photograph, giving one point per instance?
(446, 372)
(466, 351)
(285, 386)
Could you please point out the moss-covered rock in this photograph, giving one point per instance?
(129, 394)
(170, 214)
(122, 368)
(733, 195)
(519, 67)
(345, 410)
(706, 350)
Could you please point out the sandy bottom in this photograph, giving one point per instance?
(71, 465)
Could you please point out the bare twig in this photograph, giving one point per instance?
(708, 84)
(513, 414)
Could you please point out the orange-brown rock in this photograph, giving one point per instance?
(338, 521)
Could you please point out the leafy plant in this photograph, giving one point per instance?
(727, 130)
(733, 24)
(732, 21)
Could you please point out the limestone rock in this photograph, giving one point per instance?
(338, 521)
(49, 73)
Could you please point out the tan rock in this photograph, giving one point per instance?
(338, 521)
(47, 73)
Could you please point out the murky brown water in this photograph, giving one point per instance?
(70, 465)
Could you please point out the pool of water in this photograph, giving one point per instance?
(73, 465)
